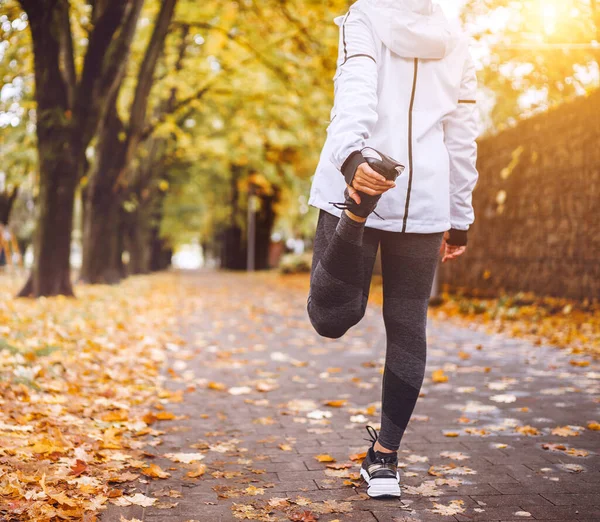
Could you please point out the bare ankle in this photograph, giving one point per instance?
(381, 449)
(354, 217)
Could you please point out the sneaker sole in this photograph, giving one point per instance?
(381, 488)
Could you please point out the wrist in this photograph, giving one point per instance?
(457, 237)
(351, 164)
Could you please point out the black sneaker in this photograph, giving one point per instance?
(380, 471)
(389, 168)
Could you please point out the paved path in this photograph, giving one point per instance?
(474, 450)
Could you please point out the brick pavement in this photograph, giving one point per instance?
(502, 400)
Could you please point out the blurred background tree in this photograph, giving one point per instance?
(534, 53)
(187, 109)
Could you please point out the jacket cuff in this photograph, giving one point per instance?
(457, 237)
(351, 164)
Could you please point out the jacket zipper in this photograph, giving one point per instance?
(410, 142)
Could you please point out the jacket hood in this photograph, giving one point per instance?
(411, 28)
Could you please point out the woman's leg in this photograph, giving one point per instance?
(408, 262)
(344, 255)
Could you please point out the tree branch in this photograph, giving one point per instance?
(145, 76)
(105, 61)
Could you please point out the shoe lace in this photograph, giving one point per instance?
(373, 436)
(346, 206)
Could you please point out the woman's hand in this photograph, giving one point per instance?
(369, 182)
(451, 251)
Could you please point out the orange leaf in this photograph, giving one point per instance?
(198, 472)
(155, 471)
(165, 415)
(78, 468)
(336, 404)
(358, 456)
(438, 376)
(580, 364)
(325, 458)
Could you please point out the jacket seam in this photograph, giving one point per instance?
(358, 56)
(344, 37)
(410, 144)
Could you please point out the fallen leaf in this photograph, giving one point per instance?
(325, 458)
(527, 430)
(453, 508)
(198, 472)
(438, 376)
(358, 456)
(336, 403)
(186, 458)
(565, 431)
(155, 471)
(138, 500)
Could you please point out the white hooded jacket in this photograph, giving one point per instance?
(406, 86)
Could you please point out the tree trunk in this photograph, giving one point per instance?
(160, 252)
(58, 163)
(68, 112)
(7, 201)
(52, 242)
(101, 242)
(138, 242)
(233, 249)
(116, 148)
(234, 242)
(264, 228)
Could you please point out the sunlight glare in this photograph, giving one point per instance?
(549, 16)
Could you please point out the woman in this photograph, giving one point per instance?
(405, 87)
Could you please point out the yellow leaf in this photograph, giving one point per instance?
(165, 415)
(111, 439)
(198, 472)
(527, 430)
(216, 386)
(565, 431)
(358, 456)
(336, 404)
(580, 364)
(325, 458)
(253, 490)
(155, 471)
(438, 376)
(116, 416)
(62, 499)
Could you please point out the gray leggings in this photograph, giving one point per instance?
(344, 256)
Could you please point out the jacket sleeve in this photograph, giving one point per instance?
(355, 106)
(461, 131)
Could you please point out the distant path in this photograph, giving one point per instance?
(502, 400)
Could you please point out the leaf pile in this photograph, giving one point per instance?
(544, 320)
(78, 379)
